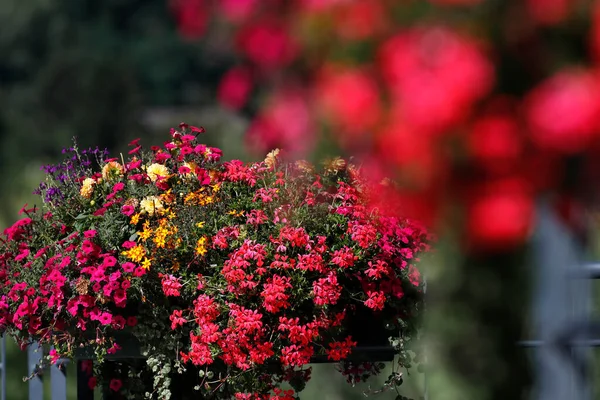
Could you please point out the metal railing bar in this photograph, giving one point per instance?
(587, 271)
(36, 386)
(574, 343)
(3, 370)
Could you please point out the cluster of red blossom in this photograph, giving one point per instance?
(421, 97)
(244, 265)
(103, 275)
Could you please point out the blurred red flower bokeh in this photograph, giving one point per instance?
(417, 99)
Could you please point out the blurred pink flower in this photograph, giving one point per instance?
(594, 33)
(563, 112)
(359, 20)
(456, 2)
(495, 142)
(268, 44)
(350, 99)
(500, 215)
(284, 123)
(235, 88)
(549, 12)
(192, 17)
(314, 6)
(237, 10)
(435, 76)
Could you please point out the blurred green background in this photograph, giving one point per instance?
(107, 72)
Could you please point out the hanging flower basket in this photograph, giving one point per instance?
(228, 278)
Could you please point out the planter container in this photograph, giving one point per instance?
(365, 328)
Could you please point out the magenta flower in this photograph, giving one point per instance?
(92, 382)
(109, 261)
(135, 150)
(105, 318)
(118, 187)
(128, 210)
(89, 234)
(22, 255)
(128, 267)
(115, 385)
(64, 262)
(134, 164)
(128, 244)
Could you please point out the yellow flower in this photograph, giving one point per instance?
(152, 205)
(271, 159)
(135, 254)
(156, 171)
(146, 233)
(160, 236)
(335, 165)
(206, 200)
(168, 196)
(176, 243)
(87, 188)
(190, 197)
(354, 171)
(200, 224)
(216, 187)
(111, 170)
(305, 166)
(146, 263)
(135, 219)
(201, 246)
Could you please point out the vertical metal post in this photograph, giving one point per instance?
(425, 383)
(58, 380)
(83, 390)
(107, 393)
(3, 370)
(36, 385)
(557, 302)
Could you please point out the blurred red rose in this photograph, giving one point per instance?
(360, 19)
(495, 143)
(434, 76)
(237, 10)
(563, 113)
(235, 87)
(500, 216)
(350, 99)
(192, 17)
(549, 12)
(268, 44)
(284, 123)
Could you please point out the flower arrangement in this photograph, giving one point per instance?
(240, 273)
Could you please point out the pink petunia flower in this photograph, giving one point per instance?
(128, 210)
(115, 385)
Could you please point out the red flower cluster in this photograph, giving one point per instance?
(246, 269)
